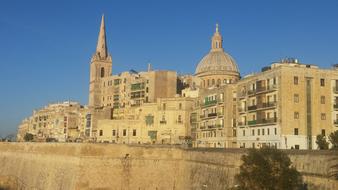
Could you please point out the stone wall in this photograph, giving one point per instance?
(123, 167)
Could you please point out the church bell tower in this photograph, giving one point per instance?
(100, 67)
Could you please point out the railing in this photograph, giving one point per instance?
(211, 102)
(335, 89)
(253, 122)
(241, 123)
(212, 114)
(266, 105)
(335, 106)
(254, 107)
(137, 86)
(241, 109)
(261, 89)
(251, 92)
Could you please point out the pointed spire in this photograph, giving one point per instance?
(101, 48)
(217, 40)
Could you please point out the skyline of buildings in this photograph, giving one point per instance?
(215, 107)
(41, 48)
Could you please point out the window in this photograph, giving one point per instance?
(253, 132)
(101, 132)
(297, 146)
(258, 132)
(263, 132)
(323, 116)
(295, 131)
(134, 132)
(322, 99)
(323, 132)
(243, 133)
(179, 119)
(296, 98)
(296, 115)
(275, 131)
(114, 132)
(124, 132)
(322, 82)
(274, 80)
(102, 72)
(213, 81)
(295, 80)
(268, 131)
(164, 106)
(180, 106)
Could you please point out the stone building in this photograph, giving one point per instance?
(66, 121)
(286, 105)
(108, 93)
(217, 68)
(214, 116)
(164, 122)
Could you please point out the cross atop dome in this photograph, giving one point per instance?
(217, 40)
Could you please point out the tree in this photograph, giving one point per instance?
(333, 138)
(267, 169)
(321, 142)
(28, 137)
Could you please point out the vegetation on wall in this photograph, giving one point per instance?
(322, 142)
(268, 169)
(333, 138)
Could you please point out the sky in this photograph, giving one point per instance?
(46, 46)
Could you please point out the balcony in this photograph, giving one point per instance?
(260, 89)
(241, 124)
(212, 114)
(267, 121)
(266, 105)
(241, 94)
(272, 87)
(241, 109)
(210, 103)
(137, 86)
(252, 92)
(253, 107)
(335, 106)
(253, 122)
(335, 122)
(335, 89)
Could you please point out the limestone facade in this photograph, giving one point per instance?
(164, 122)
(66, 121)
(287, 106)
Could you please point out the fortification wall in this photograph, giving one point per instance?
(123, 167)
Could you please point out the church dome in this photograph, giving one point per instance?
(217, 61)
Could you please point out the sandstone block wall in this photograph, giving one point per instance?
(123, 167)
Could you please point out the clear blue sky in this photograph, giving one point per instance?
(45, 46)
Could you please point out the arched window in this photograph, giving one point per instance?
(208, 82)
(213, 81)
(218, 81)
(102, 72)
